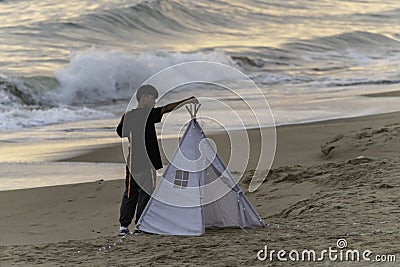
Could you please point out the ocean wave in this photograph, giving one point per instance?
(357, 40)
(193, 26)
(97, 76)
(145, 21)
(102, 76)
(363, 82)
(26, 102)
(322, 54)
(92, 78)
(23, 116)
(25, 90)
(168, 17)
(322, 82)
(155, 18)
(151, 20)
(387, 16)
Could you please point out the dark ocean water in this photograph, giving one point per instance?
(75, 60)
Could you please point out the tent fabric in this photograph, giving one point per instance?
(196, 192)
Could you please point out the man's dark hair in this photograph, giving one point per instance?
(146, 89)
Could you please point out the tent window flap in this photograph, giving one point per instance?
(181, 179)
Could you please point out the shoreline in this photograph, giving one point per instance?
(327, 129)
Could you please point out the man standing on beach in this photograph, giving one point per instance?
(144, 155)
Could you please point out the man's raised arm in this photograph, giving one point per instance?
(175, 105)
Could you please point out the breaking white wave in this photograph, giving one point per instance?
(93, 78)
(101, 76)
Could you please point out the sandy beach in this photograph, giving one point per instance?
(330, 180)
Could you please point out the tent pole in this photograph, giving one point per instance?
(193, 109)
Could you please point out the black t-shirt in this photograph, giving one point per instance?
(145, 151)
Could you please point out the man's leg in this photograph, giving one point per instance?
(128, 204)
(142, 202)
(145, 191)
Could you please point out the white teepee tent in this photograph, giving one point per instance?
(196, 191)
